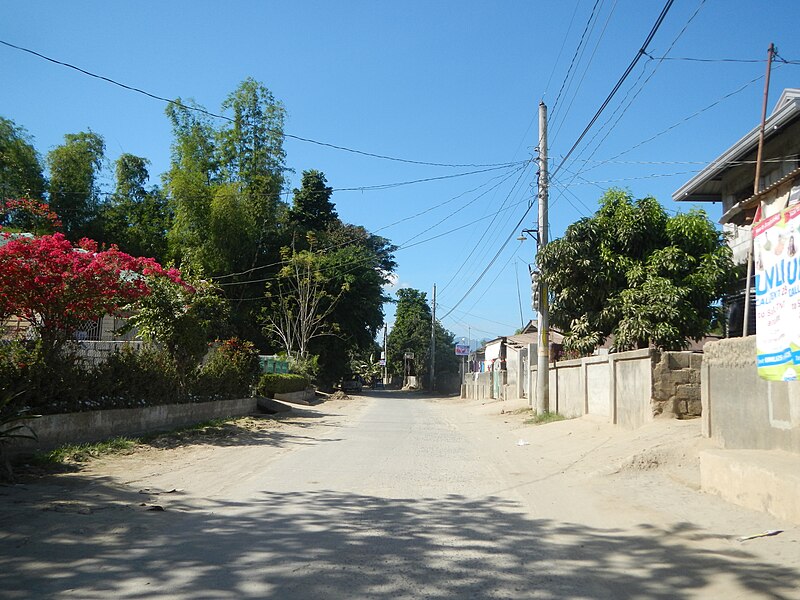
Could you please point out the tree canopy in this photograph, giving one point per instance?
(412, 333)
(633, 272)
(74, 168)
(220, 216)
(20, 164)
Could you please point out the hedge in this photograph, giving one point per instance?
(281, 383)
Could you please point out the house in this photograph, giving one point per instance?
(729, 180)
(508, 357)
(753, 421)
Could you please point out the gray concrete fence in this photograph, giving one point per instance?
(92, 426)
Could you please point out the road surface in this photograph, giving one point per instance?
(396, 496)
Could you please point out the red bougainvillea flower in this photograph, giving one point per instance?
(56, 286)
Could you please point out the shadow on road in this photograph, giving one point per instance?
(329, 544)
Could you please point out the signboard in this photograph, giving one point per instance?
(408, 356)
(462, 350)
(382, 362)
(776, 246)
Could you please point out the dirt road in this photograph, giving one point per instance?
(393, 496)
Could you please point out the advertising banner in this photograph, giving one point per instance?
(776, 241)
(462, 350)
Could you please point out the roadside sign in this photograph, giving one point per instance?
(462, 349)
(383, 362)
(409, 355)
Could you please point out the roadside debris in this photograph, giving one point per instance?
(768, 533)
(523, 443)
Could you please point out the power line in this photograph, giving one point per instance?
(483, 235)
(560, 50)
(575, 55)
(585, 71)
(386, 186)
(682, 121)
(361, 262)
(641, 87)
(718, 60)
(230, 120)
(619, 83)
(505, 176)
(489, 266)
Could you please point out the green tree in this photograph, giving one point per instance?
(224, 187)
(412, 333)
(361, 264)
(20, 164)
(302, 298)
(182, 319)
(312, 208)
(74, 167)
(632, 272)
(190, 182)
(136, 218)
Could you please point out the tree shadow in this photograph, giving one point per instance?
(333, 544)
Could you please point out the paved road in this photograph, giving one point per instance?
(386, 497)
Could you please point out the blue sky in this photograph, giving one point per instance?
(445, 82)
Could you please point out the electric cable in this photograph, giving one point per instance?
(639, 54)
(231, 120)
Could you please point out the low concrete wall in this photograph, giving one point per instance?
(741, 410)
(478, 386)
(569, 389)
(598, 381)
(628, 388)
(93, 426)
(768, 481)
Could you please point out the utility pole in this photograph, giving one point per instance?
(433, 341)
(385, 357)
(543, 337)
(770, 55)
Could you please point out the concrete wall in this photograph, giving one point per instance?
(93, 426)
(628, 388)
(741, 410)
(569, 389)
(477, 386)
(598, 380)
(631, 389)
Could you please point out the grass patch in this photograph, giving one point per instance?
(72, 453)
(548, 417)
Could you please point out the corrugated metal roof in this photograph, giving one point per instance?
(705, 186)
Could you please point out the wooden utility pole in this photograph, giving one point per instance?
(433, 340)
(543, 337)
(770, 55)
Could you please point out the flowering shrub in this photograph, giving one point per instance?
(56, 286)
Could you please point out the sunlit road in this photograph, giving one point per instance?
(389, 496)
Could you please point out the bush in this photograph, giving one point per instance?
(47, 385)
(281, 383)
(230, 371)
(131, 378)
